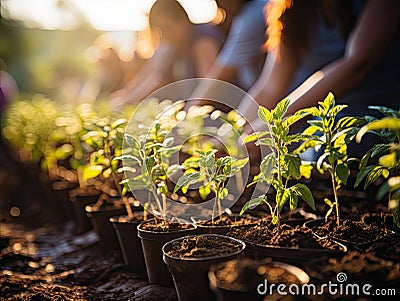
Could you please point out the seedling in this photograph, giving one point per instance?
(106, 142)
(213, 173)
(334, 137)
(388, 166)
(280, 165)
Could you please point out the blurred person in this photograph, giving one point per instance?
(185, 51)
(8, 87)
(350, 48)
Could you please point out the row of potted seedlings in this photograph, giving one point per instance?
(112, 168)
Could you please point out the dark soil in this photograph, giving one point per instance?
(202, 246)
(359, 268)
(230, 220)
(158, 225)
(246, 274)
(353, 232)
(286, 236)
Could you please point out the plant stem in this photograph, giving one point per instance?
(123, 197)
(336, 200)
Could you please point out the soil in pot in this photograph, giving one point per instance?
(350, 232)
(293, 245)
(80, 198)
(190, 258)
(224, 224)
(359, 268)
(153, 235)
(245, 279)
(382, 220)
(129, 242)
(100, 218)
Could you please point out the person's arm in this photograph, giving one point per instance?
(152, 76)
(205, 52)
(274, 81)
(367, 44)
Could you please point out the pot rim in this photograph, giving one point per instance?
(198, 259)
(292, 269)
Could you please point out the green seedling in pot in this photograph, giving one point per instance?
(106, 142)
(388, 152)
(280, 165)
(335, 135)
(212, 173)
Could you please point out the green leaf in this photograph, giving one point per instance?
(343, 172)
(389, 160)
(305, 170)
(223, 193)
(386, 111)
(91, 171)
(348, 122)
(118, 123)
(254, 137)
(362, 174)
(208, 160)
(254, 203)
(373, 175)
(187, 179)
(305, 194)
(204, 192)
(385, 123)
(148, 163)
(128, 159)
(266, 166)
(379, 149)
(293, 164)
(266, 141)
(293, 200)
(280, 109)
(265, 115)
(132, 141)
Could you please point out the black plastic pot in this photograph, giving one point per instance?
(100, 218)
(295, 255)
(152, 243)
(130, 244)
(244, 288)
(223, 229)
(191, 274)
(79, 203)
(61, 190)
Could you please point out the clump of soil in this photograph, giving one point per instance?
(285, 236)
(159, 225)
(201, 246)
(246, 274)
(230, 220)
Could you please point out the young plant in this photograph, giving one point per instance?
(388, 165)
(213, 173)
(146, 157)
(280, 165)
(335, 135)
(106, 142)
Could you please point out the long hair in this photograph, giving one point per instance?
(292, 23)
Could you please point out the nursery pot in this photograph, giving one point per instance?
(249, 285)
(224, 229)
(190, 273)
(61, 190)
(130, 244)
(104, 229)
(79, 202)
(152, 243)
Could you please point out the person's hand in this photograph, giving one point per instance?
(118, 99)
